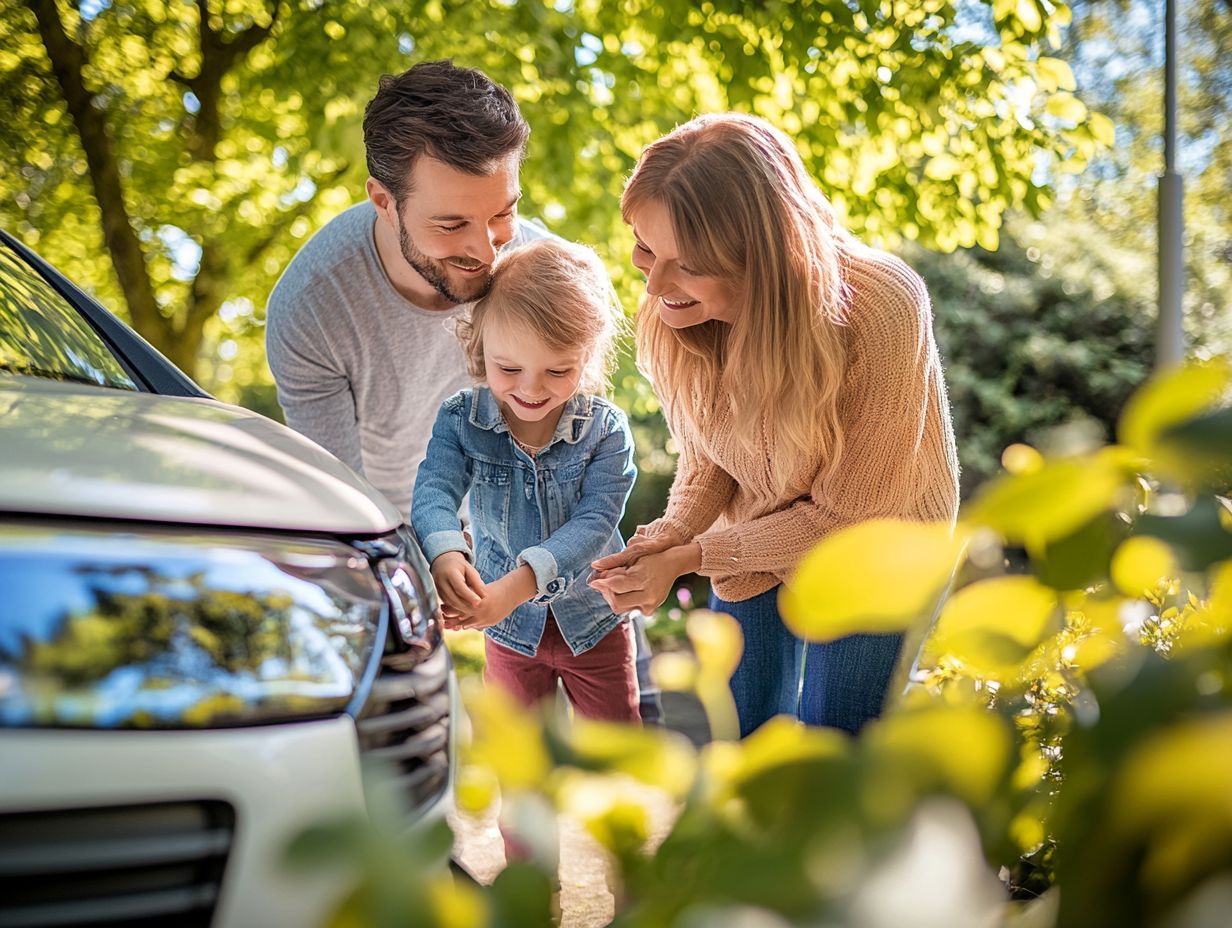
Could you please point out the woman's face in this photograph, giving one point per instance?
(683, 297)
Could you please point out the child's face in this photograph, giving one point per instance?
(529, 379)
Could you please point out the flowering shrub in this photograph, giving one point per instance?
(1060, 753)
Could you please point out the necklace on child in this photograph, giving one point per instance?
(531, 450)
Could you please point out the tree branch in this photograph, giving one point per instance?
(284, 221)
(218, 56)
(207, 291)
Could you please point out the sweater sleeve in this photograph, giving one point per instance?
(898, 458)
(314, 388)
(700, 492)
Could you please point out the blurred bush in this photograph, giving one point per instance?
(1055, 327)
(1061, 754)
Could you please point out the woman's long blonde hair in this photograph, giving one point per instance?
(743, 207)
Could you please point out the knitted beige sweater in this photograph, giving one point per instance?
(898, 458)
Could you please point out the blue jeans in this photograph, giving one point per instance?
(650, 703)
(839, 684)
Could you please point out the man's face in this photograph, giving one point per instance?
(452, 224)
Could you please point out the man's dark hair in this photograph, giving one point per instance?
(455, 115)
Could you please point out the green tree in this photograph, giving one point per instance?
(1043, 340)
(1116, 49)
(173, 155)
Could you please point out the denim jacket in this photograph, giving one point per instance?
(557, 511)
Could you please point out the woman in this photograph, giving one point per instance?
(802, 385)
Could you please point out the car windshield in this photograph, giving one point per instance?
(43, 335)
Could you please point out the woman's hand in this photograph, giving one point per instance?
(640, 545)
(647, 581)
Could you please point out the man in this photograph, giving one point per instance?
(359, 327)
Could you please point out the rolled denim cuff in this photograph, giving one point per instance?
(439, 543)
(548, 581)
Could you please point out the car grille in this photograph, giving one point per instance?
(405, 724)
(142, 865)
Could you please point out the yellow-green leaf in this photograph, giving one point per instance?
(942, 166)
(456, 903)
(476, 790)
(1176, 781)
(781, 741)
(875, 577)
(1102, 128)
(1021, 459)
(963, 749)
(1102, 637)
(1211, 621)
(1170, 399)
(614, 809)
(993, 625)
(717, 641)
(1067, 107)
(508, 739)
(1055, 74)
(1037, 507)
(650, 755)
(675, 671)
(1029, 15)
(1221, 593)
(1140, 564)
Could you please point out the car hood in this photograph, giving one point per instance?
(69, 450)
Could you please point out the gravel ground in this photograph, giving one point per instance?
(586, 900)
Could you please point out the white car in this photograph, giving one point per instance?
(207, 624)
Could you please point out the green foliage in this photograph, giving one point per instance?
(1058, 324)
(1077, 737)
(1053, 329)
(1118, 195)
(209, 161)
(43, 336)
(466, 650)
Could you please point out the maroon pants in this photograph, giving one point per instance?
(601, 683)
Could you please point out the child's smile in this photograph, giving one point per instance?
(530, 380)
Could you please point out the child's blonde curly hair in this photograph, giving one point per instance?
(563, 294)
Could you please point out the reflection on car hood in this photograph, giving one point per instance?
(83, 451)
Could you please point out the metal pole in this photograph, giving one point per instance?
(1170, 342)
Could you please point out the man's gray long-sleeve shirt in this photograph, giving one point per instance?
(360, 369)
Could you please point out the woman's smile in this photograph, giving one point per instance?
(677, 304)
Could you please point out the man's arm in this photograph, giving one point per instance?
(313, 388)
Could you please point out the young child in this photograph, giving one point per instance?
(549, 466)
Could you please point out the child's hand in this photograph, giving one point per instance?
(501, 597)
(458, 584)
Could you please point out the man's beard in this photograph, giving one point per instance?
(435, 273)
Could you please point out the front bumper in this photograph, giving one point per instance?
(275, 779)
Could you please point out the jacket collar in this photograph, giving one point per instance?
(574, 418)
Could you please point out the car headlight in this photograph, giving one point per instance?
(137, 628)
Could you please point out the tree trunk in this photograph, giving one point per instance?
(178, 335)
(68, 59)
